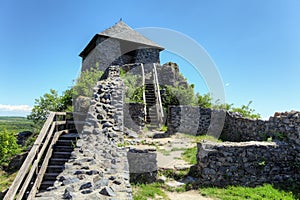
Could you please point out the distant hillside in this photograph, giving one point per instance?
(15, 124)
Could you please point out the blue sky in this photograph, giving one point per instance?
(255, 45)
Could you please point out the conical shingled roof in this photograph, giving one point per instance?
(122, 32)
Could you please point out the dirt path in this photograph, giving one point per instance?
(189, 195)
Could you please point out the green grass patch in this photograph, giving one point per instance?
(163, 151)
(200, 138)
(178, 149)
(164, 128)
(189, 155)
(6, 179)
(266, 191)
(146, 191)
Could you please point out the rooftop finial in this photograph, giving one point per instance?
(121, 19)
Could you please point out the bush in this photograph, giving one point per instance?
(8, 146)
(178, 95)
(205, 101)
(133, 88)
(86, 82)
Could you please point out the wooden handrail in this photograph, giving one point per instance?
(30, 165)
(158, 97)
(144, 94)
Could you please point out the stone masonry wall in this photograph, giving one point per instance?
(98, 169)
(246, 163)
(246, 160)
(134, 116)
(197, 121)
(106, 53)
(147, 55)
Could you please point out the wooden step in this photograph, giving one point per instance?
(61, 155)
(66, 142)
(50, 176)
(70, 136)
(63, 148)
(55, 168)
(45, 185)
(58, 161)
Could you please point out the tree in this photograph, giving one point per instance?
(50, 102)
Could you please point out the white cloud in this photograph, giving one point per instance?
(10, 108)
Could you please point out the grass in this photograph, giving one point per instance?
(164, 128)
(266, 191)
(189, 155)
(163, 151)
(146, 191)
(6, 179)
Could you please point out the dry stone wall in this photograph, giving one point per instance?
(246, 163)
(247, 159)
(134, 116)
(98, 168)
(197, 121)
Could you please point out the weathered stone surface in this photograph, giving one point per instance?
(107, 191)
(97, 157)
(232, 126)
(246, 163)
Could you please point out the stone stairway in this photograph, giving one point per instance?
(61, 154)
(151, 117)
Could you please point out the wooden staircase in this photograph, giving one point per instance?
(152, 99)
(151, 117)
(61, 154)
(45, 161)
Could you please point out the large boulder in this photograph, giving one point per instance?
(23, 136)
(16, 162)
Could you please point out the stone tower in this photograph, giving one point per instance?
(119, 45)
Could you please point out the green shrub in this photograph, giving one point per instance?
(86, 82)
(8, 146)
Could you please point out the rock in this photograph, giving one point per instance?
(86, 191)
(70, 181)
(130, 134)
(23, 136)
(17, 161)
(68, 193)
(174, 184)
(107, 191)
(85, 186)
(101, 183)
(162, 179)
